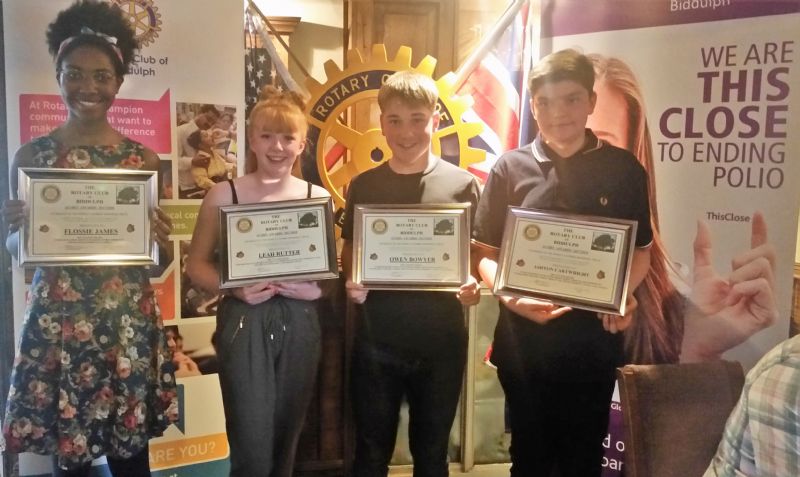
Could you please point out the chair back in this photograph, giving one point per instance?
(675, 414)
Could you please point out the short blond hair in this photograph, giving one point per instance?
(409, 87)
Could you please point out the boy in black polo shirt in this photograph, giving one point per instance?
(556, 364)
(409, 344)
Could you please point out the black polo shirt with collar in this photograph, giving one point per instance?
(601, 180)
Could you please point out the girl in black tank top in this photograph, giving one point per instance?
(267, 336)
(235, 197)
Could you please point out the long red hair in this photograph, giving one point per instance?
(656, 332)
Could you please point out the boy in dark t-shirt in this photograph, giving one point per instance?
(409, 344)
(556, 364)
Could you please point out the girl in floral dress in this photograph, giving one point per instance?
(93, 375)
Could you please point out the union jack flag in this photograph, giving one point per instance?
(498, 88)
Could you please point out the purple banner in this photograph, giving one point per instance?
(571, 17)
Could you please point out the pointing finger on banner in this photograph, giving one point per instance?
(702, 245)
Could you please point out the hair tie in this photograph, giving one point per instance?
(111, 40)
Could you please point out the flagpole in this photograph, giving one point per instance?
(487, 42)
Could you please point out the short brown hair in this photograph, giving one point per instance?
(562, 65)
(409, 87)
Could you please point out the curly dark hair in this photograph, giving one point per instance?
(194, 139)
(100, 17)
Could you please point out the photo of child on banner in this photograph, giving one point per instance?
(206, 147)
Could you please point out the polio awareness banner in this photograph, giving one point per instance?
(715, 81)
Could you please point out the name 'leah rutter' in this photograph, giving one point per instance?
(281, 253)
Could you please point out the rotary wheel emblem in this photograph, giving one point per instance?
(144, 17)
(343, 152)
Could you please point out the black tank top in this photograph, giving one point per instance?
(236, 197)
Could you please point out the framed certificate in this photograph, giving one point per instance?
(281, 241)
(87, 217)
(411, 247)
(573, 260)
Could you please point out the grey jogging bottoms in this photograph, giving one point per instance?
(269, 354)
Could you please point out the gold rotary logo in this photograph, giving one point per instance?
(244, 225)
(380, 226)
(344, 151)
(144, 18)
(51, 193)
(532, 232)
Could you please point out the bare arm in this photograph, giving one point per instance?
(161, 222)
(347, 259)
(201, 264)
(487, 266)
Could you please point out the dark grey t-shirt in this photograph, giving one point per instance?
(411, 322)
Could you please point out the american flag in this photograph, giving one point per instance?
(258, 64)
(263, 66)
(498, 88)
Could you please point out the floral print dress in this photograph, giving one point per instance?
(93, 374)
